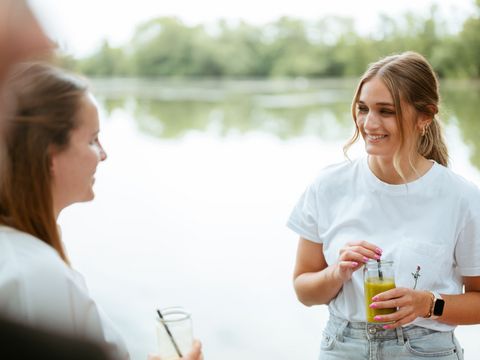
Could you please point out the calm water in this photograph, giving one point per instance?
(192, 202)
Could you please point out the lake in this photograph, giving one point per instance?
(192, 202)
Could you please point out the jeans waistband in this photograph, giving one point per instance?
(362, 330)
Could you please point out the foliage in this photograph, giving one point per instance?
(329, 47)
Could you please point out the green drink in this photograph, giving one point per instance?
(378, 278)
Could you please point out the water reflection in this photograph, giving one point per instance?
(191, 217)
(287, 109)
(461, 103)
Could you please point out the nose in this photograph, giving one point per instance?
(102, 153)
(371, 121)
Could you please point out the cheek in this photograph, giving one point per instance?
(359, 122)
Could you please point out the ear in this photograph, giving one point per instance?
(53, 159)
(423, 121)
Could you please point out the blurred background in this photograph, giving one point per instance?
(215, 116)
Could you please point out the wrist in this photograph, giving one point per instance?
(337, 274)
(436, 306)
(429, 299)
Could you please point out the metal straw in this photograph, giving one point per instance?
(379, 268)
(179, 353)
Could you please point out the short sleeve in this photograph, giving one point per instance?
(305, 217)
(467, 250)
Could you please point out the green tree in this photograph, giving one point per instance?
(107, 61)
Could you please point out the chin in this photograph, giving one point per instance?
(375, 151)
(88, 197)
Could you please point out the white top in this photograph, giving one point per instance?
(39, 289)
(433, 222)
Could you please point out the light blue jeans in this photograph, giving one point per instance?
(343, 339)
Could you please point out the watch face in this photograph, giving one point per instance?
(438, 308)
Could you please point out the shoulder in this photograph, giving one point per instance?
(337, 176)
(461, 190)
(26, 255)
(458, 184)
(36, 286)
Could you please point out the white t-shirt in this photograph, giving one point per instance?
(37, 288)
(433, 222)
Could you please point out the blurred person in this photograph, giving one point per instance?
(401, 202)
(22, 342)
(21, 36)
(51, 152)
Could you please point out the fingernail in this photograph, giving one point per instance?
(378, 250)
(377, 318)
(375, 298)
(373, 305)
(377, 257)
(354, 264)
(365, 259)
(386, 327)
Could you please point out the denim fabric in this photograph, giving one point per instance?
(359, 341)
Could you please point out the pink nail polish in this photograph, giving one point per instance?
(354, 264)
(379, 251)
(365, 259)
(386, 327)
(377, 318)
(377, 257)
(373, 305)
(375, 298)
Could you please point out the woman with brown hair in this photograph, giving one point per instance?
(50, 152)
(399, 203)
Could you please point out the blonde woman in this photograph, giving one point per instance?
(402, 203)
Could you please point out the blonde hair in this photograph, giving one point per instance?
(410, 78)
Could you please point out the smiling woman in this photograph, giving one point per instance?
(400, 203)
(391, 107)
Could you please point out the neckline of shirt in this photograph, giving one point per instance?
(375, 184)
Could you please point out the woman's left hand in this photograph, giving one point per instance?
(410, 303)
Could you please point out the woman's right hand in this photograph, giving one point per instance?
(352, 256)
(194, 354)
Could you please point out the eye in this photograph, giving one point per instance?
(362, 109)
(387, 112)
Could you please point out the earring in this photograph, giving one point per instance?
(424, 130)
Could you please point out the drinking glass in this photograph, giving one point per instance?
(378, 276)
(174, 333)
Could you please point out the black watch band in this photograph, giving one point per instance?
(437, 306)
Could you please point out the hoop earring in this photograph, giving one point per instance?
(424, 130)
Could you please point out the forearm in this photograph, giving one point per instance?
(317, 287)
(461, 309)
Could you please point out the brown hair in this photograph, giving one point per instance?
(43, 103)
(408, 77)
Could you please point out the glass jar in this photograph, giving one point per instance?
(378, 277)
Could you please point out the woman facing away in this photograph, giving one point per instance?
(398, 203)
(50, 152)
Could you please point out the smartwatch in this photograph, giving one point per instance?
(437, 305)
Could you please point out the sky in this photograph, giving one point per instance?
(80, 26)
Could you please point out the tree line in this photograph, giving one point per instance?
(288, 47)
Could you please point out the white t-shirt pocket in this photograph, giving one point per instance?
(432, 259)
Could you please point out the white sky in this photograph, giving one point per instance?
(80, 25)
